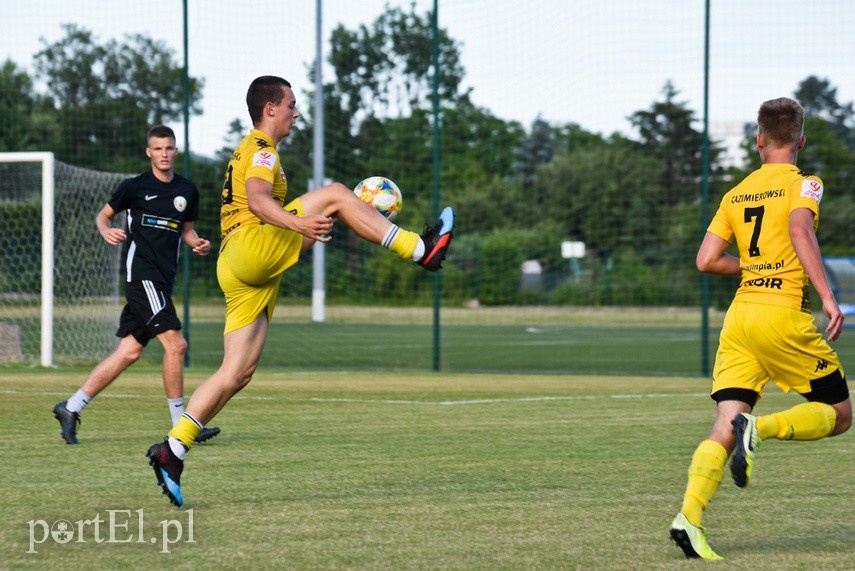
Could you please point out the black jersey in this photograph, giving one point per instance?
(156, 212)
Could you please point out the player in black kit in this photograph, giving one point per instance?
(160, 208)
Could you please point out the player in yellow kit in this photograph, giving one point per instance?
(262, 236)
(768, 333)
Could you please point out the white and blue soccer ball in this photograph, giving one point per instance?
(381, 193)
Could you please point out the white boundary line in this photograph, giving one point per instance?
(121, 395)
(410, 402)
(491, 401)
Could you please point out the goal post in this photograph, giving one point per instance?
(47, 213)
(59, 282)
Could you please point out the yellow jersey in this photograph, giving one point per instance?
(756, 213)
(255, 157)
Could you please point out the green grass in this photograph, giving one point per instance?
(368, 470)
(471, 348)
(622, 341)
(548, 340)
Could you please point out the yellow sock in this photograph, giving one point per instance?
(767, 426)
(805, 421)
(186, 430)
(402, 242)
(705, 474)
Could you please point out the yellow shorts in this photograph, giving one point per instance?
(761, 343)
(250, 269)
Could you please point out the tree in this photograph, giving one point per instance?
(108, 95)
(605, 195)
(666, 132)
(538, 148)
(387, 69)
(819, 99)
(377, 106)
(28, 118)
(830, 130)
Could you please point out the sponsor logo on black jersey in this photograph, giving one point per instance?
(162, 223)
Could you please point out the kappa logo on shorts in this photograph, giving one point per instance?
(821, 365)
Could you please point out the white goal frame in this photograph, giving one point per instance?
(47, 161)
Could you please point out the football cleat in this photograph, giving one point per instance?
(747, 441)
(167, 468)
(68, 422)
(436, 240)
(692, 540)
(207, 433)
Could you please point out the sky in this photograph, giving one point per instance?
(565, 61)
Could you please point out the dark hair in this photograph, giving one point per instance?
(160, 131)
(781, 121)
(263, 90)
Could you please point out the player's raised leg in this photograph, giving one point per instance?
(436, 239)
(427, 250)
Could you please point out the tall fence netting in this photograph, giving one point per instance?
(571, 145)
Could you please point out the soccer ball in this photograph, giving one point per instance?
(381, 193)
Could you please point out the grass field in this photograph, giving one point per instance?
(379, 470)
(552, 340)
(500, 340)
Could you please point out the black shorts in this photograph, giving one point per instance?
(149, 311)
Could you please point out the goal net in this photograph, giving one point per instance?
(59, 281)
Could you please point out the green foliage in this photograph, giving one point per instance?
(518, 190)
(28, 117)
(107, 96)
(835, 225)
(666, 132)
(20, 242)
(386, 68)
(819, 99)
(500, 256)
(828, 156)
